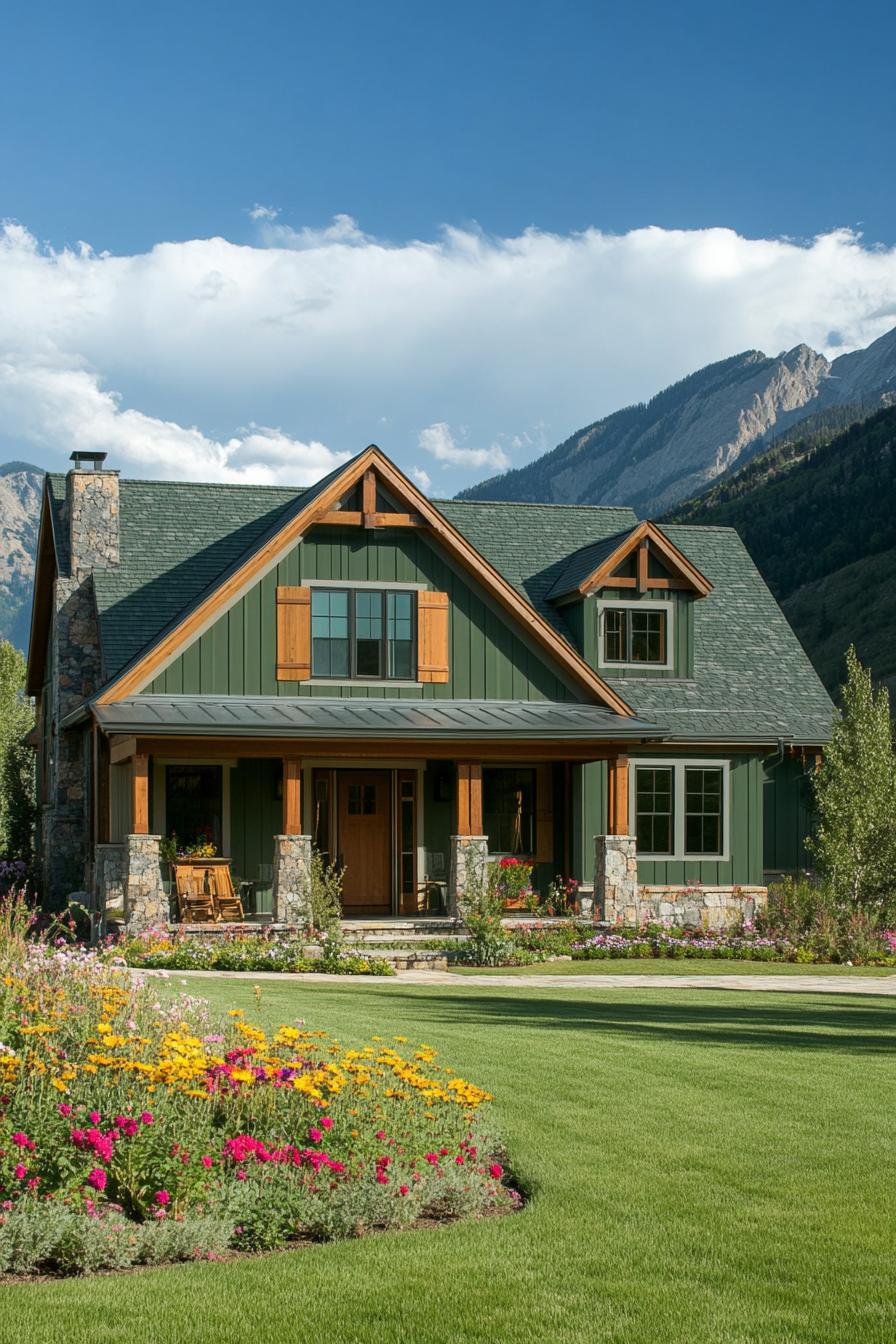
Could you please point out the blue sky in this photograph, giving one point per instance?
(129, 126)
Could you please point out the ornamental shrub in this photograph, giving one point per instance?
(855, 801)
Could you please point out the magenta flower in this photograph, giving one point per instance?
(20, 1171)
(208, 1161)
(97, 1179)
(146, 1118)
(314, 1135)
(64, 1108)
(327, 1122)
(94, 1117)
(163, 1197)
(496, 1170)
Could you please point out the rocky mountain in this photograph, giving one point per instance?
(20, 493)
(817, 510)
(700, 430)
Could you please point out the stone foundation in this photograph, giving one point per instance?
(292, 879)
(145, 901)
(615, 877)
(696, 906)
(469, 856)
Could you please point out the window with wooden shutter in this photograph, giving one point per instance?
(544, 814)
(293, 634)
(432, 637)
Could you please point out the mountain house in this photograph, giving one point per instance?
(410, 686)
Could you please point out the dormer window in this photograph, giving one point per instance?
(635, 634)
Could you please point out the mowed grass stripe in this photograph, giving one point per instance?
(703, 1167)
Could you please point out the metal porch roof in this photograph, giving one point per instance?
(319, 717)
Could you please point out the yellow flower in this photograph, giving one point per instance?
(59, 1085)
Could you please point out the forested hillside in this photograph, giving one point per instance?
(818, 513)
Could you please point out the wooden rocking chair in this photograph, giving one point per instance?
(227, 903)
(194, 907)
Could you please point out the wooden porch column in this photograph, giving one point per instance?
(140, 796)
(469, 798)
(617, 802)
(292, 796)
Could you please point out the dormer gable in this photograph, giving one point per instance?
(641, 559)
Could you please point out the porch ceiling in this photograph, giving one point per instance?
(404, 720)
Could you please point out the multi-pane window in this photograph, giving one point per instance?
(364, 633)
(654, 813)
(703, 811)
(679, 809)
(329, 633)
(634, 635)
(508, 810)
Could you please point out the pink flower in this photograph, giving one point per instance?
(496, 1170)
(97, 1179)
(404, 1189)
(208, 1161)
(94, 1117)
(327, 1122)
(459, 1160)
(382, 1178)
(380, 1134)
(241, 1175)
(20, 1171)
(314, 1135)
(163, 1197)
(21, 1140)
(64, 1108)
(146, 1118)
(432, 1159)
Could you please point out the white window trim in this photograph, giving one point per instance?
(603, 604)
(678, 765)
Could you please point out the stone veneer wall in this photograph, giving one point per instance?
(91, 520)
(469, 856)
(697, 906)
(615, 876)
(291, 894)
(146, 905)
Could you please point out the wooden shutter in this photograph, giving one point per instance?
(544, 814)
(293, 634)
(432, 636)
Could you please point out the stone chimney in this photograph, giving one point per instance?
(91, 497)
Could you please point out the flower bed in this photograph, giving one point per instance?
(694, 943)
(137, 1129)
(161, 950)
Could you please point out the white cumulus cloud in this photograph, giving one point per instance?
(274, 361)
(439, 440)
(422, 479)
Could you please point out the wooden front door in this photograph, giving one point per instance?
(364, 850)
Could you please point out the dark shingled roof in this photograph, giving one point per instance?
(752, 679)
(581, 565)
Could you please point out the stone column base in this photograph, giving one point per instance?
(292, 879)
(145, 902)
(615, 878)
(469, 856)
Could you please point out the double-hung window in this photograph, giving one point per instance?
(363, 633)
(680, 809)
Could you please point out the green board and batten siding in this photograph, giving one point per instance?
(237, 654)
(745, 862)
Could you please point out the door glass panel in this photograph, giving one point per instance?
(194, 806)
(508, 810)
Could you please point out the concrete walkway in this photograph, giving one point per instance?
(784, 984)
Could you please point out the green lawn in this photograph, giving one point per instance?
(705, 1168)
(673, 966)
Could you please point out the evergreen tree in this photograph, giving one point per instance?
(855, 799)
(17, 793)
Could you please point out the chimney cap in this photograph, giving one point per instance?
(87, 461)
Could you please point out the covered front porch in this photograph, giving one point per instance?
(398, 794)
